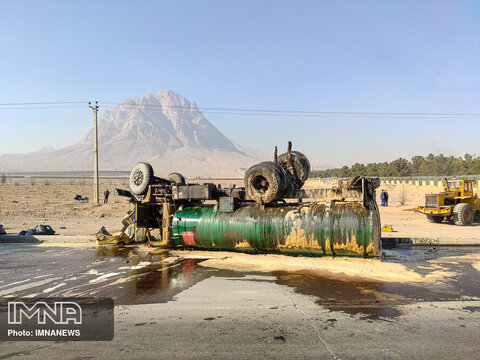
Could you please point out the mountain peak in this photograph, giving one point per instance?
(163, 128)
(165, 117)
(46, 149)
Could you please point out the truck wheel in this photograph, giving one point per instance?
(306, 164)
(140, 178)
(176, 178)
(300, 164)
(463, 214)
(265, 182)
(435, 219)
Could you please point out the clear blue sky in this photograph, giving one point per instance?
(371, 56)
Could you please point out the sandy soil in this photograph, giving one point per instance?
(27, 202)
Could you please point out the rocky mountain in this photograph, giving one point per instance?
(164, 129)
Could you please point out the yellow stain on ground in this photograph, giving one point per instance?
(338, 267)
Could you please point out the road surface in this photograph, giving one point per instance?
(170, 307)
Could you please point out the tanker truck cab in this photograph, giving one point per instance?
(458, 202)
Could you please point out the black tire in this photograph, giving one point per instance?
(463, 214)
(300, 164)
(435, 219)
(176, 178)
(292, 184)
(306, 163)
(140, 178)
(265, 182)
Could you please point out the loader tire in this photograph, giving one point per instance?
(140, 178)
(176, 178)
(265, 182)
(463, 214)
(435, 219)
(300, 164)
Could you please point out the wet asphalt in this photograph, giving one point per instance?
(170, 307)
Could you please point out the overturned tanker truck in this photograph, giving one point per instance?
(271, 214)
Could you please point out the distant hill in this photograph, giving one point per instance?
(164, 129)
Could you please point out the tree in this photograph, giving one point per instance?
(431, 165)
(417, 164)
(401, 167)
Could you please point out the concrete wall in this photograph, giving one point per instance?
(425, 181)
(417, 181)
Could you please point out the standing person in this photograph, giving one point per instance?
(106, 194)
(382, 197)
(385, 195)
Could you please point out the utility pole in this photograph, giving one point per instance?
(95, 152)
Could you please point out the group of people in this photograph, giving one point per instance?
(384, 197)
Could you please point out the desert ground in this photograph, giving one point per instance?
(26, 202)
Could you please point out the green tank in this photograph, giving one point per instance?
(310, 229)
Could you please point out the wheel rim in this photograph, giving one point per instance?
(260, 183)
(468, 216)
(138, 178)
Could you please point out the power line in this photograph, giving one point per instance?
(296, 111)
(238, 111)
(315, 114)
(42, 107)
(46, 103)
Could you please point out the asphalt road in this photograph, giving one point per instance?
(169, 308)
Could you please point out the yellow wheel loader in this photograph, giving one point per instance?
(457, 202)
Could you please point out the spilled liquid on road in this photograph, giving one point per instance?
(133, 276)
